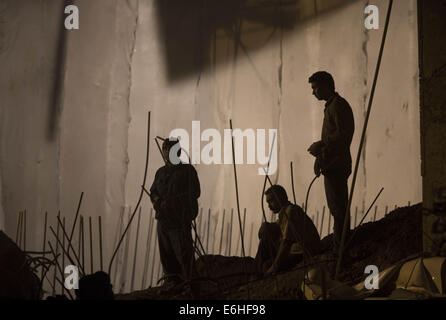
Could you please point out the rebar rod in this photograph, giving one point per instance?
(244, 221)
(61, 272)
(24, 231)
(82, 241)
(227, 241)
(91, 246)
(17, 235)
(79, 249)
(250, 238)
(136, 250)
(119, 227)
(154, 254)
(214, 234)
(44, 241)
(292, 183)
(65, 251)
(100, 243)
(230, 231)
(140, 194)
(147, 255)
(208, 228)
(222, 231)
(236, 189)
(123, 278)
(364, 130)
(200, 217)
(57, 252)
(76, 216)
(363, 218)
(161, 151)
(266, 177)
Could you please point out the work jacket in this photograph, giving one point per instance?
(337, 134)
(179, 187)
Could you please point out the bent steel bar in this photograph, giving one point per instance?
(369, 109)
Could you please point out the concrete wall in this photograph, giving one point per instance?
(265, 86)
(47, 171)
(432, 28)
(29, 156)
(131, 57)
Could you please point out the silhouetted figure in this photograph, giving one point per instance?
(284, 242)
(332, 152)
(174, 195)
(95, 286)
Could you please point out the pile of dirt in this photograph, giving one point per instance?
(382, 243)
(215, 274)
(17, 281)
(95, 286)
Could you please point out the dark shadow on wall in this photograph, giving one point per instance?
(188, 30)
(55, 106)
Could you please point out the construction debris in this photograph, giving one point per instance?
(392, 244)
(95, 286)
(17, 279)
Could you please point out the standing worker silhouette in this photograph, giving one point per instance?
(332, 152)
(174, 195)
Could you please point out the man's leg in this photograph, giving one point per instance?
(268, 246)
(336, 191)
(167, 252)
(182, 244)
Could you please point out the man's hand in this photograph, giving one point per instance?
(154, 198)
(316, 149)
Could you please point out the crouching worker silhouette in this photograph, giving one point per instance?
(174, 195)
(284, 242)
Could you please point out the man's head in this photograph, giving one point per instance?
(168, 144)
(276, 198)
(322, 84)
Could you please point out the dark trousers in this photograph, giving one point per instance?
(336, 191)
(269, 235)
(176, 251)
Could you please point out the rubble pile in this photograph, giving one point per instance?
(17, 280)
(382, 243)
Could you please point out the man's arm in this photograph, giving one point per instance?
(285, 242)
(195, 183)
(153, 187)
(282, 255)
(155, 198)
